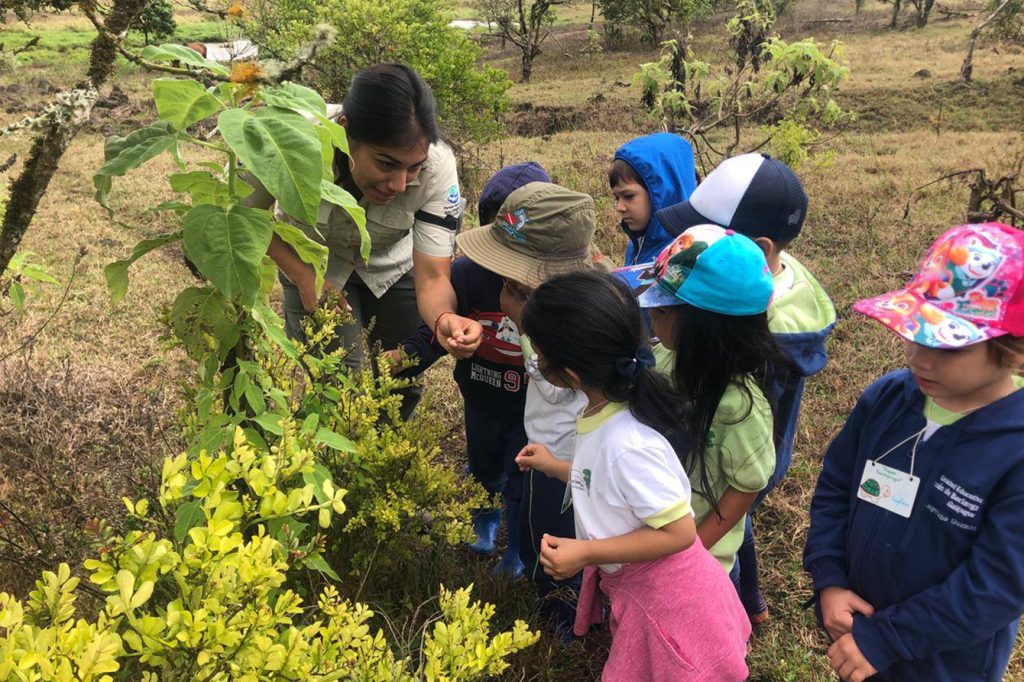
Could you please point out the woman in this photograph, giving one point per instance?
(405, 178)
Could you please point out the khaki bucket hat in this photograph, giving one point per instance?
(542, 230)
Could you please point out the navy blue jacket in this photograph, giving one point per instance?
(947, 584)
(664, 161)
(494, 376)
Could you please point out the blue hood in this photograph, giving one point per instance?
(664, 161)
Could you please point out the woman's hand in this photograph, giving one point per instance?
(562, 558)
(310, 301)
(459, 335)
(848, 660)
(837, 608)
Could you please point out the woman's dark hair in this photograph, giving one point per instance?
(621, 172)
(714, 351)
(389, 105)
(590, 323)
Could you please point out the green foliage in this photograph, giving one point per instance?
(8, 62)
(650, 17)
(156, 20)
(1009, 25)
(19, 280)
(789, 87)
(470, 97)
(199, 589)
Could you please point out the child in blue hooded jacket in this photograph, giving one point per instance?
(648, 174)
(916, 542)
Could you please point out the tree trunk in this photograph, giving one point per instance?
(896, 5)
(924, 9)
(527, 65)
(49, 146)
(967, 68)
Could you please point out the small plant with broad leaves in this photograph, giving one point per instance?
(777, 89)
(199, 590)
(18, 281)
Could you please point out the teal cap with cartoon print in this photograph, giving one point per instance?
(708, 267)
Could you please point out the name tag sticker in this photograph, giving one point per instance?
(888, 488)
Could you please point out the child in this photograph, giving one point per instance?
(915, 545)
(762, 198)
(674, 615)
(492, 381)
(648, 174)
(708, 295)
(541, 231)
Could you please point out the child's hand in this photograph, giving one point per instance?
(562, 558)
(393, 358)
(848, 661)
(535, 456)
(837, 608)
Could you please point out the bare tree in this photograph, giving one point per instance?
(524, 23)
(967, 68)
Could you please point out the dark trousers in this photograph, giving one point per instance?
(493, 439)
(395, 316)
(540, 513)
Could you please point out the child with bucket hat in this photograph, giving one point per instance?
(541, 231)
(916, 547)
(707, 294)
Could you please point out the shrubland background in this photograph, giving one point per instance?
(90, 404)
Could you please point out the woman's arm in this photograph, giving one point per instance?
(731, 507)
(563, 558)
(437, 304)
(298, 273)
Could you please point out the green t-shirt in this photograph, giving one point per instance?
(740, 453)
(940, 416)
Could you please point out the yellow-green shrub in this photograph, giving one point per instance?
(210, 599)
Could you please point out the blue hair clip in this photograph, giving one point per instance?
(630, 367)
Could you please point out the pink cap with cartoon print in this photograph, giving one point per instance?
(967, 290)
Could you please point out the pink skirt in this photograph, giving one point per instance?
(673, 619)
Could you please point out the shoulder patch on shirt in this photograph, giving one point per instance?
(448, 222)
(453, 202)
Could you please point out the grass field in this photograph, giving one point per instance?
(90, 403)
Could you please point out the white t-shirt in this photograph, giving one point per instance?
(551, 411)
(625, 476)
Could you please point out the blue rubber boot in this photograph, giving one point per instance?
(510, 563)
(485, 525)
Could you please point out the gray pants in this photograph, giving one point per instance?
(395, 317)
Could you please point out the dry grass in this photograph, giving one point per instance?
(856, 241)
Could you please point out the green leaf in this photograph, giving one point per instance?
(116, 273)
(316, 478)
(183, 102)
(310, 423)
(125, 153)
(185, 55)
(205, 188)
(335, 440)
(282, 150)
(337, 133)
(201, 315)
(326, 151)
(273, 326)
(318, 563)
(228, 245)
(177, 206)
(187, 517)
(311, 252)
(17, 294)
(334, 194)
(36, 273)
(270, 422)
(296, 98)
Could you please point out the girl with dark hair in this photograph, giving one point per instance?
(405, 178)
(674, 614)
(708, 301)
